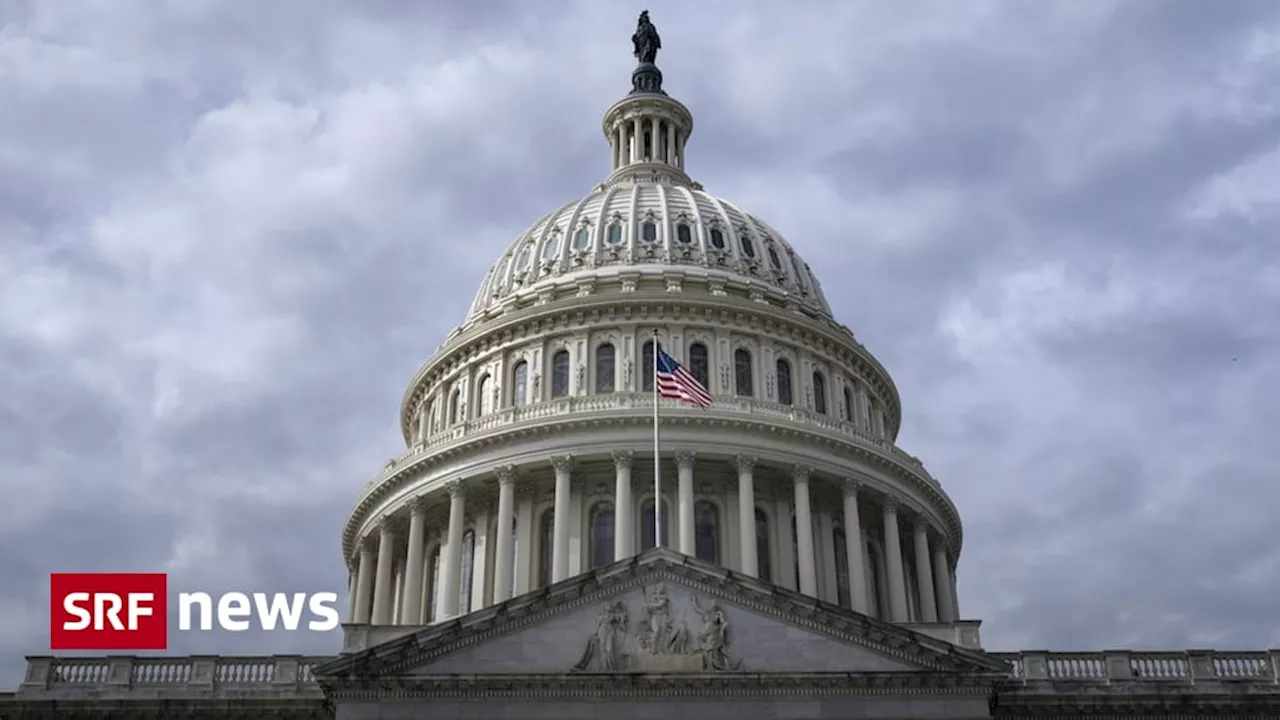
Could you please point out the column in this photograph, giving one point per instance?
(671, 143)
(619, 146)
(636, 146)
(893, 558)
(364, 584)
(684, 500)
(524, 543)
(804, 532)
(451, 578)
(955, 592)
(411, 605)
(853, 548)
(924, 574)
(784, 573)
(422, 422)
(382, 587)
(653, 139)
(504, 556)
(946, 607)
(560, 535)
(747, 515)
(623, 533)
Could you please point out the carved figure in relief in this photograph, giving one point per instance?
(713, 638)
(659, 635)
(603, 651)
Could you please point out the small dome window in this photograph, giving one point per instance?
(744, 242)
(551, 246)
(582, 238)
(522, 263)
(648, 231)
(615, 233)
(774, 260)
(795, 263)
(717, 238)
(684, 234)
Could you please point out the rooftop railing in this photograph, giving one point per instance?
(1190, 666)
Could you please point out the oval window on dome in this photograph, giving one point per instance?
(648, 231)
(522, 262)
(615, 233)
(582, 238)
(748, 247)
(684, 234)
(774, 260)
(551, 247)
(717, 238)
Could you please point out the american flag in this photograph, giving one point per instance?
(673, 381)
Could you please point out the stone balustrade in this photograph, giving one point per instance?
(641, 404)
(285, 676)
(1111, 666)
(121, 676)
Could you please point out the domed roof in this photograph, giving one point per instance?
(653, 226)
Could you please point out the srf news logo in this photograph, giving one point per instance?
(129, 611)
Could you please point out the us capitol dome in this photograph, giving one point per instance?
(511, 563)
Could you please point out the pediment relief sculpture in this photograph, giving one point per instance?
(660, 640)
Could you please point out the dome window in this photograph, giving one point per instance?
(795, 263)
(582, 238)
(717, 238)
(551, 246)
(744, 242)
(522, 263)
(774, 260)
(684, 234)
(648, 231)
(615, 233)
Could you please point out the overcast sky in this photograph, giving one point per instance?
(230, 231)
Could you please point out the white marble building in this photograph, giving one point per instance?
(505, 565)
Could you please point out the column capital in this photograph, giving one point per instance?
(369, 544)
(455, 488)
(506, 475)
(390, 525)
(800, 473)
(419, 505)
(685, 458)
(851, 486)
(562, 463)
(622, 458)
(890, 504)
(745, 463)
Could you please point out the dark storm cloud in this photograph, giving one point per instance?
(231, 233)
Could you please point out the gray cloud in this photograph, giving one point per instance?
(222, 229)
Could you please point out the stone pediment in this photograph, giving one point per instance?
(660, 613)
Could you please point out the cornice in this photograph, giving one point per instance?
(878, 454)
(645, 306)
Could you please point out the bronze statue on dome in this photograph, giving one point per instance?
(646, 40)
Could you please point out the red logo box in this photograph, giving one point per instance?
(108, 611)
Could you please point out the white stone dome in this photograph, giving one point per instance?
(654, 227)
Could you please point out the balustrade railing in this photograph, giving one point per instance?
(1191, 666)
(642, 403)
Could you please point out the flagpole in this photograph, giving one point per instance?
(657, 475)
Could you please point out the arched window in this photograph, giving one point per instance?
(699, 364)
(648, 231)
(551, 246)
(744, 242)
(819, 394)
(455, 407)
(468, 567)
(762, 546)
(848, 404)
(546, 543)
(706, 531)
(433, 570)
(614, 235)
(774, 260)
(717, 238)
(600, 551)
(560, 374)
(646, 524)
(646, 366)
(520, 384)
(784, 382)
(742, 384)
(605, 357)
(484, 396)
(684, 234)
(842, 567)
(582, 238)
